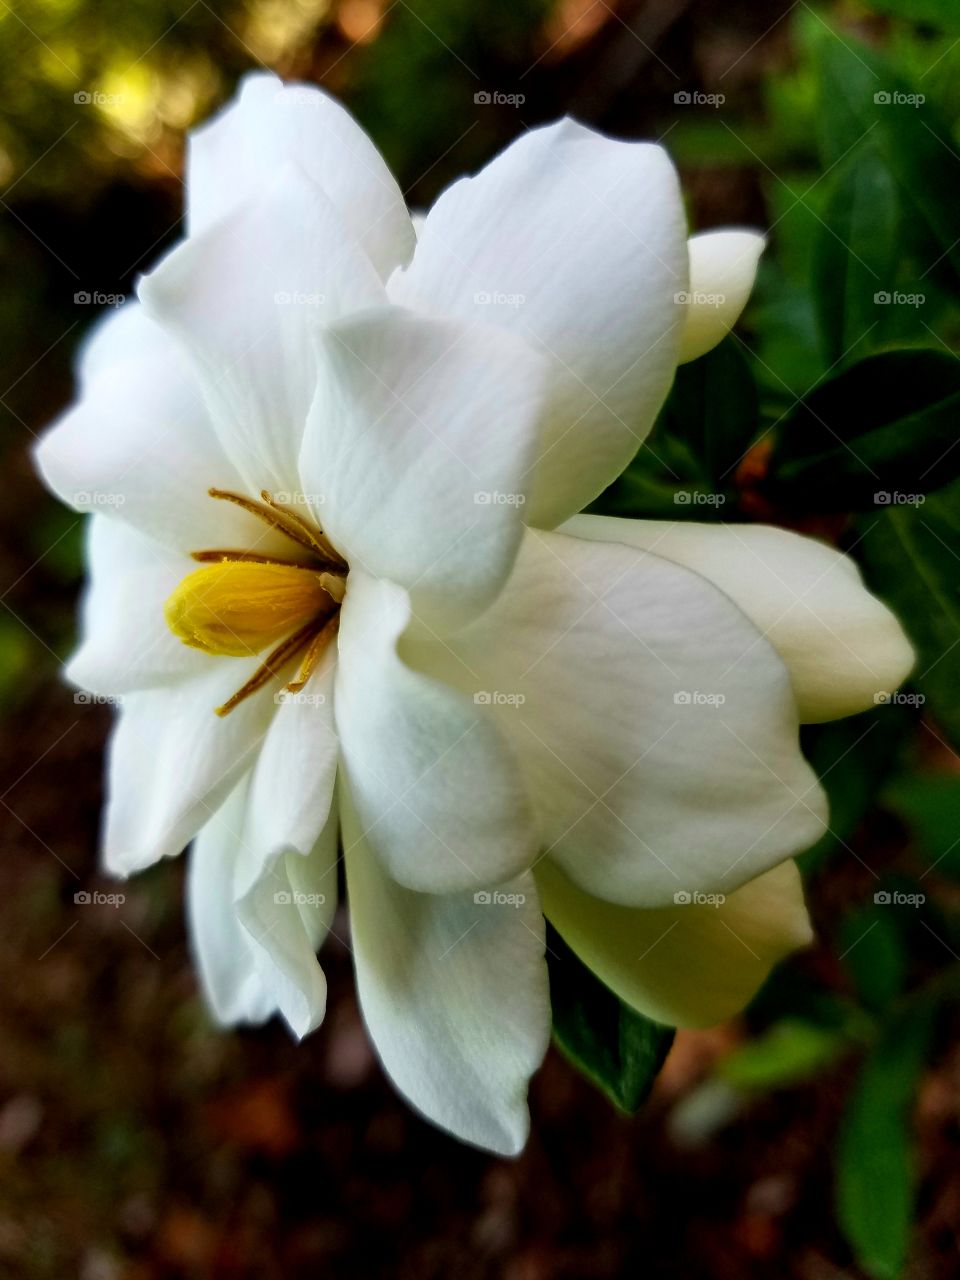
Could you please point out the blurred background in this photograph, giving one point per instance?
(817, 1137)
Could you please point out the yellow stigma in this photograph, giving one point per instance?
(238, 607)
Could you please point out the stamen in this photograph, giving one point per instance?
(274, 516)
(319, 539)
(270, 667)
(251, 557)
(313, 655)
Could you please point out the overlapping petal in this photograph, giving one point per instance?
(453, 990)
(434, 782)
(844, 648)
(657, 758)
(235, 155)
(578, 243)
(723, 268)
(416, 453)
(691, 964)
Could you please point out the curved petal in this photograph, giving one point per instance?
(657, 731)
(415, 453)
(139, 444)
(578, 243)
(126, 643)
(235, 155)
(221, 946)
(723, 267)
(843, 647)
(173, 761)
(692, 964)
(257, 953)
(454, 993)
(243, 298)
(434, 783)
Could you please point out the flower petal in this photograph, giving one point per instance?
(243, 298)
(578, 243)
(454, 993)
(221, 946)
(126, 643)
(173, 761)
(434, 782)
(658, 758)
(235, 155)
(723, 267)
(416, 449)
(692, 964)
(139, 445)
(843, 647)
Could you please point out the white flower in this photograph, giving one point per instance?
(378, 447)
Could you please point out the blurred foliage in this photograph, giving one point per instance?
(833, 409)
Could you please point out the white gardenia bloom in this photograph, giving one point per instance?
(339, 582)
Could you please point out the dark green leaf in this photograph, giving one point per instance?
(873, 952)
(912, 559)
(930, 804)
(855, 254)
(875, 1172)
(884, 429)
(862, 97)
(935, 13)
(786, 1054)
(615, 1047)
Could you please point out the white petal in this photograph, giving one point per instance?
(692, 964)
(843, 646)
(244, 297)
(578, 243)
(235, 155)
(257, 953)
(607, 667)
(139, 445)
(126, 643)
(415, 453)
(173, 761)
(454, 994)
(723, 267)
(286, 870)
(222, 948)
(434, 782)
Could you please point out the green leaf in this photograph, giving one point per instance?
(912, 559)
(789, 1052)
(875, 1170)
(852, 758)
(860, 97)
(930, 804)
(855, 254)
(873, 952)
(612, 1045)
(935, 13)
(888, 425)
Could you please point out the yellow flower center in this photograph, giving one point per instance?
(240, 602)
